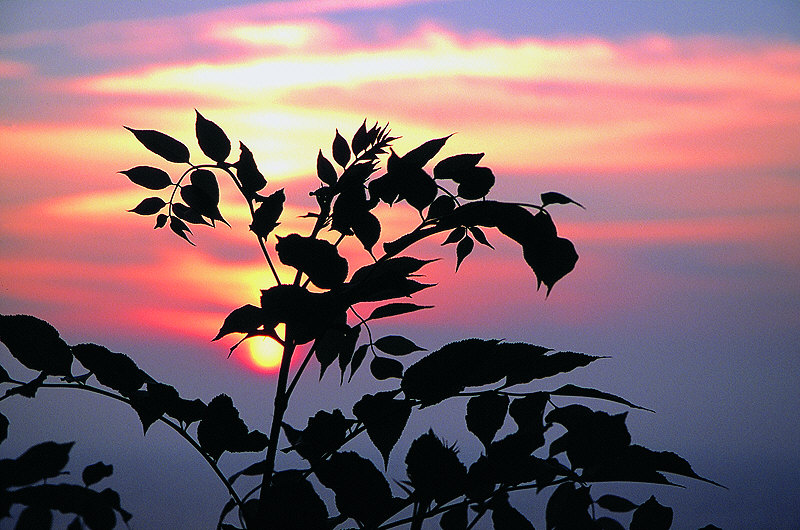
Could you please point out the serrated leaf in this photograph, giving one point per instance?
(385, 368)
(149, 206)
(486, 413)
(161, 144)
(212, 139)
(553, 197)
(148, 177)
(41, 461)
(340, 149)
(247, 172)
(325, 170)
(36, 344)
(317, 258)
(96, 472)
(463, 250)
(114, 370)
(384, 418)
(292, 504)
(221, 429)
(394, 309)
(434, 469)
(651, 516)
(396, 345)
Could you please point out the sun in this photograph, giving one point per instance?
(265, 353)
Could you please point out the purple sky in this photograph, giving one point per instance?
(677, 124)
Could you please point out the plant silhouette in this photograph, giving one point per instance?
(497, 383)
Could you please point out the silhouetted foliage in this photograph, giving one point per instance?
(497, 383)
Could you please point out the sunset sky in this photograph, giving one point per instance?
(676, 123)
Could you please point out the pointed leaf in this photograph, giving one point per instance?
(161, 221)
(149, 206)
(478, 234)
(114, 370)
(396, 345)
(292, 504)
(161, 144)
(148, 177)
(385, 419)
(486, 413)
(463, 250)
(385, 368)
(247, 172)
(325, 170)
(3, 427)
(393, 309)
(434, 469)
(36, 344)
(421, 155)
(221, 429)
(96, 472)
(180, 228)
(577, 391)
(358, 357)
(651, 516)
(212, 139)
(266, 216)
(452, 166)
(441, 206)
(367, 229)
(188, 214)
(360, 139)
(455, 236)
(506, 517)
(341, 151)
(553, 197)
(39, 462)
(246, 319)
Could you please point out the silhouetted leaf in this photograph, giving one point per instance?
(384, 280)
(358, 358)
(34, 518)
(292, 504)
(567, 508)
(188, 214)
(455, 236)
(221, 430)
(528, 414)
(147, 407)
(607, 523)
(246, 319)
(334, 343)
(39, 462)
(247, 172)
(340, 149)
(455, 518)
(307, 315)
(96, 472)
(615, 503)
(361, 490)
(325, 170)
(396, 308)
(149, 206)
(161, 144)
(266, 216)
(161, 221)
(441, 206)
(384, 418)
(114, 370)
(36, 344)
(360, 139)
(651, 516)
(434, 469)
(506, 517)
(385, 368)
(542, 366)
(316, 258)
(474, 183)
(396, 345)
(478, 234)
(486, 413)
(95, 508)
(324, 433)
(577, 391)
(205, 186)
(28, 389)
(593, 438)
(212, 139)
(5, 378)
(452, 166)
(367, 228)
(553, 197)
(168, 399)
(180, 228)
(419, 156)
(463, 250)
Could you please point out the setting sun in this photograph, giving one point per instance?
(265, 353)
